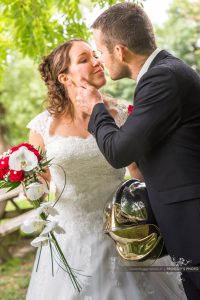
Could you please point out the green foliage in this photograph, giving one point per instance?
(34, 27)
(181, 32)
(121, 90)
(22, 93)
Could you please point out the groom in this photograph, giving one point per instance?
(162, 134)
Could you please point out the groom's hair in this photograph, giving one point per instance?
(127, 24)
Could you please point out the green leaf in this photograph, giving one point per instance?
(15, 185)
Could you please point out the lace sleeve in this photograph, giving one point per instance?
(40, 124)
(122, 114)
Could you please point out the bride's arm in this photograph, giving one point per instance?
(36, 140)
(135, 172)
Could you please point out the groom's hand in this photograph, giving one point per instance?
(87, 97)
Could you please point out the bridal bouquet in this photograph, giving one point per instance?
(23, 165)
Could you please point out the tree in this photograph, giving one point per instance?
(35, 27)
(29, 30)
(181, 32)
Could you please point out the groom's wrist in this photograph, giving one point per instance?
(98, 108)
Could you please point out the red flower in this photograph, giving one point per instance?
(130, 108)
(4, 168)
(2, 174)
(16, 176)
(29, 147)
(4, 162)
(13, 149)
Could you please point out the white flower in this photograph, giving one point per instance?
(52, 226)
(35, 190)
(32, 225)
(40, 241)
(59, 230)
(48, 209)
(23, 159)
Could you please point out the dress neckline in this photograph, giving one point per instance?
(70, 136)
(51, 136)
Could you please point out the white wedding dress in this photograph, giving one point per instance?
(90, 182)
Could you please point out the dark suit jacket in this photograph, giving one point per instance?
(162, 134)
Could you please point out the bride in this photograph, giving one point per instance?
(61, 130)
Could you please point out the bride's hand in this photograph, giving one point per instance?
(87, 97)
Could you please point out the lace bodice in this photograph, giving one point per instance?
(90, 180)
(41, 123)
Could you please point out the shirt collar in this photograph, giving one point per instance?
(147, 64)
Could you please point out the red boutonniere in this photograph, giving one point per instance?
(130, 108)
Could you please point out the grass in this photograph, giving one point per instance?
(15, 273)
(15, 276)
(22, 203)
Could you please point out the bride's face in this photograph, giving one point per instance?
(85, 65)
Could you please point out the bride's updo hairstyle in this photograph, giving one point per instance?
(52, 65)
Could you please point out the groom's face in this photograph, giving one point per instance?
(114, 65)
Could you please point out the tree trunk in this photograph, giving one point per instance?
(3, 146)
(3, 130)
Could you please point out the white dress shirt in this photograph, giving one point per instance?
(147, 64)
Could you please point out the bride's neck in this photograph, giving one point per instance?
(80, 116)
